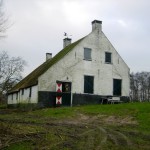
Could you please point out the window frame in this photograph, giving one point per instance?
(87, 58)
(17, 96)
(90, 90)
(117, 91)
(30, 91)
(22, 92)
(108, 57)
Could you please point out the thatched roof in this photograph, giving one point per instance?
(32, 78)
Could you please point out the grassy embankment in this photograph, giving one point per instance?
(121, 126)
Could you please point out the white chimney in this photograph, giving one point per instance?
(48, 56)
(96, 24)
(66, 42)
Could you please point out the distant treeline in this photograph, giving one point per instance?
(140, 86)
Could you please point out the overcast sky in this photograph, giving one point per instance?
(38, 27)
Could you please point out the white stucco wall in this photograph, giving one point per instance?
(74, 67)
(12, 98)
(24, 98)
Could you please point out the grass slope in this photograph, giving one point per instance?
(121, 126)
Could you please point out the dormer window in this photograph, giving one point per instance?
(87, 54)
(108, 58)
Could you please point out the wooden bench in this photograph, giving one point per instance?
(113, 100)
(110, 100)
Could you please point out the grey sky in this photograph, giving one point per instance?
(38, 27)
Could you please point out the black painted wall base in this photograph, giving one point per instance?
(48, 99)
(86, 99)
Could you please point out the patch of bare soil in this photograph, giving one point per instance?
(120, 121)
(82, 132)
(102, 119)
(97, 132)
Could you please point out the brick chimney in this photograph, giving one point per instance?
(66, 42)
(96, 25)
(48, 56)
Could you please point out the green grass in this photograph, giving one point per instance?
(3, 106)
(118, 109)
(64, 127)
(139, 111)
(59, 112)
(20, 146)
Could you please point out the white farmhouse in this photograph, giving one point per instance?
(86, 71)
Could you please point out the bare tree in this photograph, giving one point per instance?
(134, 86)
(3, 20)
(140, 86)
(10, 71)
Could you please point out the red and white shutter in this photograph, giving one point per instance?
(58, 90)
(58, 100)
(59, 87)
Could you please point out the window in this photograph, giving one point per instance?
(117, 83)
(107, 57)
(30, 91)
(88, 84)
(66, 86)
(22, 91)
(16, 95)
(87, 54)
